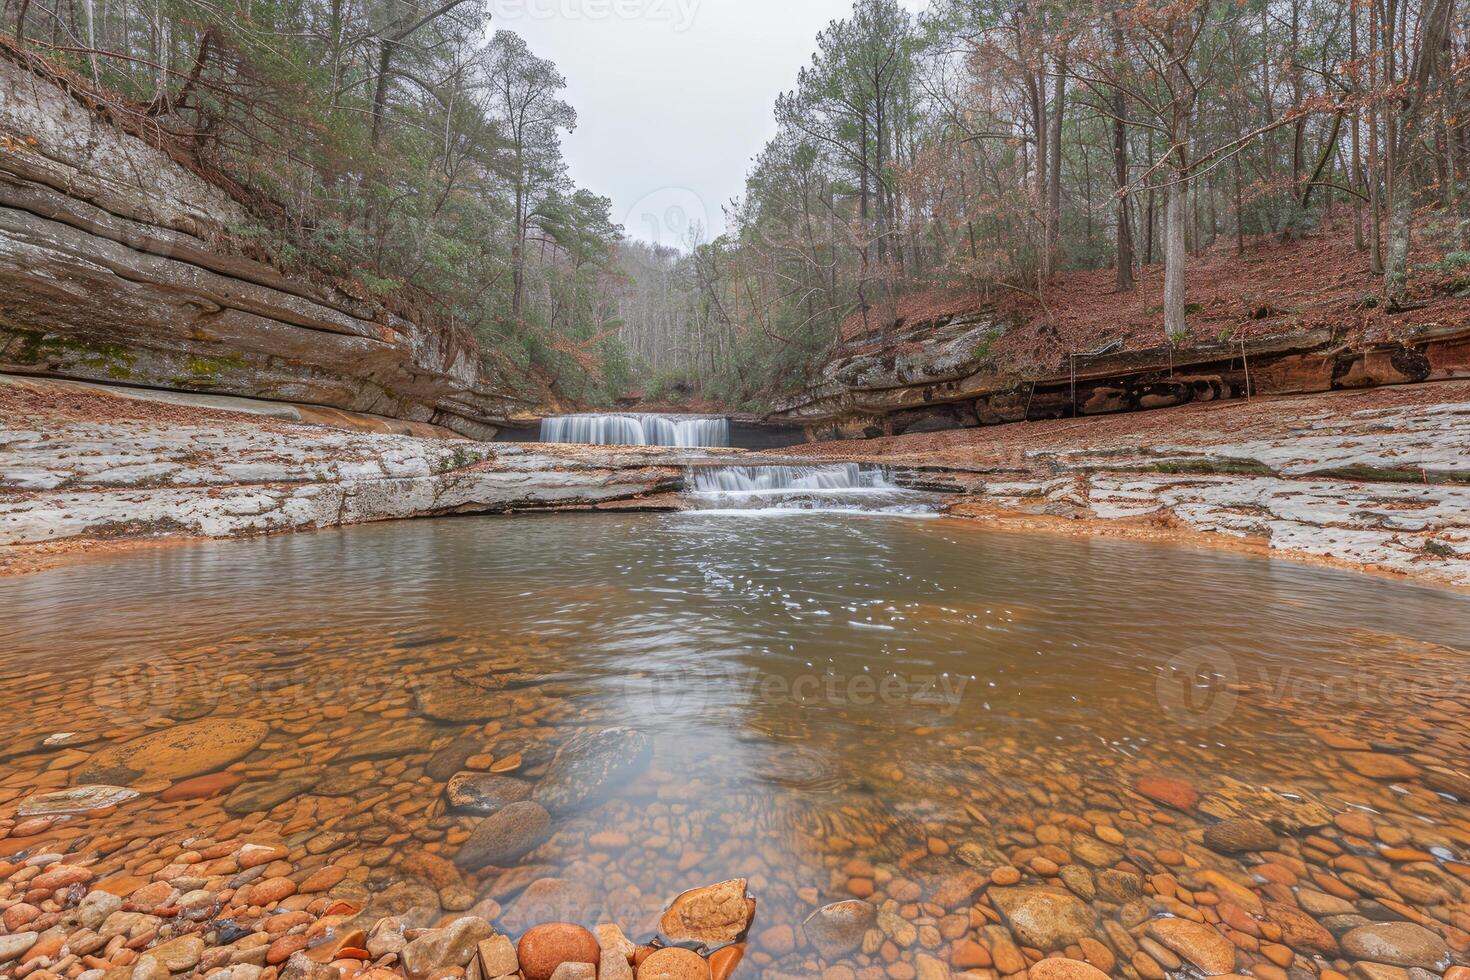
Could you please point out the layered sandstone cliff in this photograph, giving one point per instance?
(113, 269)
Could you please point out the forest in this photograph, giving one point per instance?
(980, 148)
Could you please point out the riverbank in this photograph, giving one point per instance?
(1376, 480)
(91, 470)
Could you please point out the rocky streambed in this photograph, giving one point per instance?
(482, 761)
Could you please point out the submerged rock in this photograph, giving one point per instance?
(451, 759)
(485, 792)
(590, 766)
(506, 836)
(1238, 835)
(1403, 944)
(78, 799)
(259, 797)
(1196, 942)
(175, 753)
(838, 929)
(1043, 918)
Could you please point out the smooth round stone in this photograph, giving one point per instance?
(201, 787)
(178, 752)
(1238, 835)
(1057, 968)
(505, 836)
(1403, 944)
(674, 964)
(838, 929)
(543, 948)
(263, 795)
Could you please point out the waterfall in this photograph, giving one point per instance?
(837, 487)
(684, 431)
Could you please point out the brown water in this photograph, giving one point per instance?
(822, 693)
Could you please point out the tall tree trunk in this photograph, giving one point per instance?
(1123, 255)
(1054, 181)
(1423, 78)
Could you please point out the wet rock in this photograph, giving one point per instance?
(179, 954)
(674, 964)
(1238, 835)
(14, 946)
(201, 787)
(615, 960)
(176, 753)
(392, 743)
(506, 836)
(1293, 813)
(1119, 886)
(95, 909)
(723, 961)
(1449, 782)
(446, 699)
(1057, 968)
(545, 947)
(451, 759)
(590, 766)
(498, 957)
(441, 949)
(485, 792)
(78, 799)
(264, 795)
(1177, 793)
(1403, 944)
(1201, 945)
(344, 781)
(301, 967)
(838, 929)
(717, 913)
(1380, 765)
(1043, 918)
(1299, 930)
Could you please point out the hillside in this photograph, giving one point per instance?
(1277, 318)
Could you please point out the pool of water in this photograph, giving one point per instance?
(833, 706)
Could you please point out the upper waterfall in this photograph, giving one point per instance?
(684, 431)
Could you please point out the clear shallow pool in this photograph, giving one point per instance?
(834, 706)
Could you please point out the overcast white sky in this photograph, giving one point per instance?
(673, 97)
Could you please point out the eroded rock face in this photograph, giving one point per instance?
(123, 281)
(716, 913)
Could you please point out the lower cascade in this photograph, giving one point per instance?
(836, 487)
(683, 431)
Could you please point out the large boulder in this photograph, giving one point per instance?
(177, 752)
(590, 766)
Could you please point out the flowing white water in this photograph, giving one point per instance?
(830, 488)
(684, 431)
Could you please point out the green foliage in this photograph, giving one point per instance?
(387, 143)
